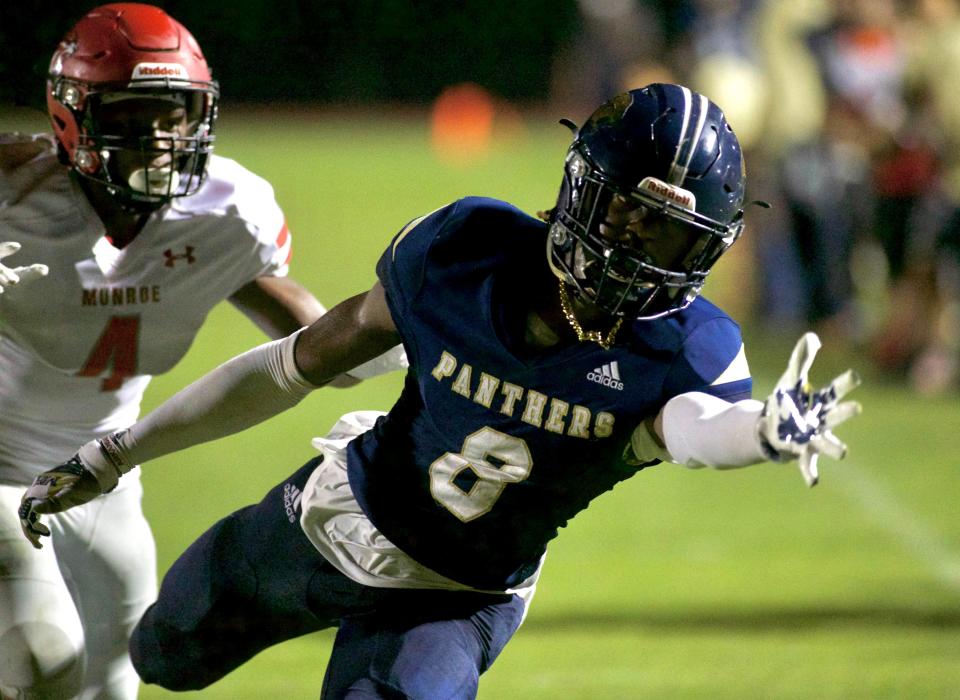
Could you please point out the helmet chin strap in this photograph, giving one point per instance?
(560, 274)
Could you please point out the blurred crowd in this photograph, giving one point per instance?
(849, 111)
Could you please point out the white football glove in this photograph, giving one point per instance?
(10, 276)
(93, 471)
(797, 421)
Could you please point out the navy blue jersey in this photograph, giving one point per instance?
(488, 452)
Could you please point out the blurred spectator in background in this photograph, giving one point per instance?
(858, 177)
(850, 112)
(920, 334)
(616, 38)
(723, 60)
(794, 115)
(719, 57)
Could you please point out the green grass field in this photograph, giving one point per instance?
(678, 584)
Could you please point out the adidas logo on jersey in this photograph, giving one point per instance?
(608, 375)
(291, 501)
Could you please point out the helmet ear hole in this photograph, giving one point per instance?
(86, 161)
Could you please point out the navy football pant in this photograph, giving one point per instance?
(254, 580)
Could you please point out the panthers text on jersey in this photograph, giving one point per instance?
(78, 347)
(488, 451)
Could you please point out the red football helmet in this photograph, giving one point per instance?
(122, 51)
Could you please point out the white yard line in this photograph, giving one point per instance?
(906, 526)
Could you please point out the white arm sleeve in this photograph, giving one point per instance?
(701, 430)
(240, 393)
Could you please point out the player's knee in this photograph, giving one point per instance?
(176, 678)
(40, 661)
(165, 662)
(458, 679)
(413, 689)
(183, 641)
(368, 689)
(149, 660)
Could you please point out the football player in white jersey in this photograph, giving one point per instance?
(144, 231)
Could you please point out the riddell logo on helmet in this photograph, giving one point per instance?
(663, 190)
(159, 70)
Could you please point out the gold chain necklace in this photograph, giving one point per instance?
(592, 336)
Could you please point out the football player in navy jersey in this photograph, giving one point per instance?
(548, 361)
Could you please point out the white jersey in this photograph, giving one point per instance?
(78, 347)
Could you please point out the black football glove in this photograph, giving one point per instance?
(65, 486)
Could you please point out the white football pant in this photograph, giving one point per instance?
(67, 611)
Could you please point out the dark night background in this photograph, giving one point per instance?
(343, 52)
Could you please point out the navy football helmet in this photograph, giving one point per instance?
(651, 197)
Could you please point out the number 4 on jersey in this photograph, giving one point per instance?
(116, 350)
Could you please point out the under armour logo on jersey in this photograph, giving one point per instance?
(291, 501)
(171, 259)
(608, 375)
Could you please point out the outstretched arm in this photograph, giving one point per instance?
(794, 422)
(238, 394)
